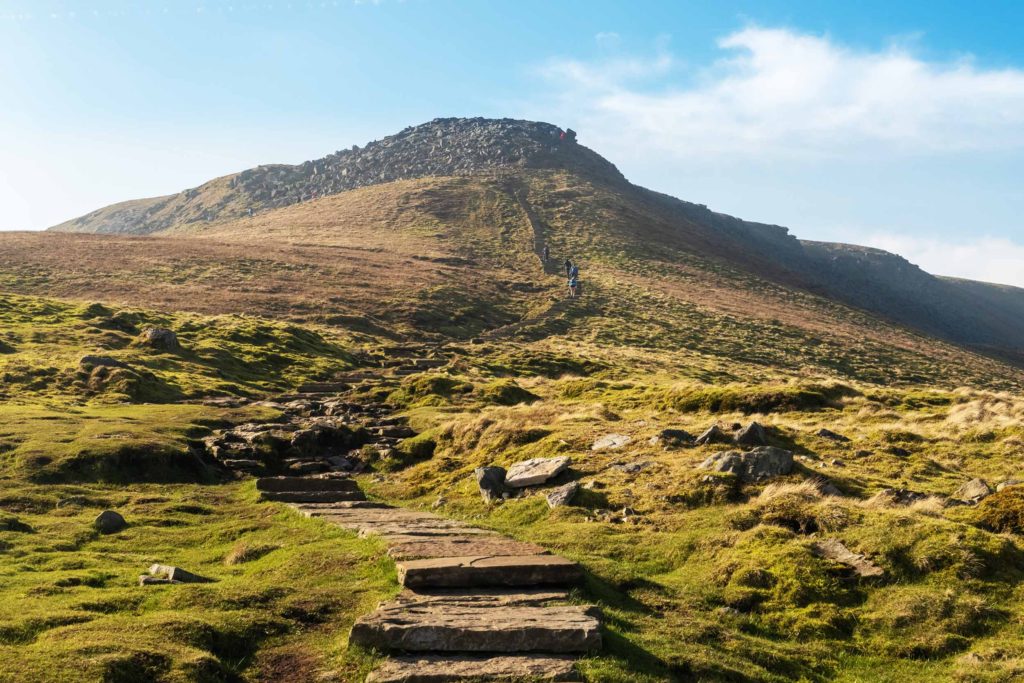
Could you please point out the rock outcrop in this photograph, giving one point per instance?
(761, 463)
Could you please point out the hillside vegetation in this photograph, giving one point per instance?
(889, 402)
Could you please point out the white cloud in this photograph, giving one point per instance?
(780, 93)
(607, 39)
(989, 259)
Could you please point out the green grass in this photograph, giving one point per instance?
(71, 608)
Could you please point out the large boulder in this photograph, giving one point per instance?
(972, 491)
(610, 442)
(761, 463)
(109, 522)
(535, 471)
(159, 338)
(491, 481)
(752, 435)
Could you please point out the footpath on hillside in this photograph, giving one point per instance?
(474, 604)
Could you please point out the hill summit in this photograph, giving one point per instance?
(441, 147)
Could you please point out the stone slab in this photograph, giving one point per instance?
(311, 496)
(448, 628)
(482, 597)
(447, 668)
(495, 570)
(461, 546)
(535, 471)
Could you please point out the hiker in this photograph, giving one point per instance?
(547, 253)
(568, 267)
(574, 271)
(250, 212)
(573, 284)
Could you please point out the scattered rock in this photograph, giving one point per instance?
(632, 467)
(713, 434)
(563, 495)
(836, 462)
(833, 436)
(751, 435)
(491, 481)
(972, 491)
(610, 442)
(159, 338)
(761, 463)
(109, 522)
(899, 452)
(1009, 482)
(897, 497)
(834, 550)
(535, 471)
(176, 574)
(672, 438)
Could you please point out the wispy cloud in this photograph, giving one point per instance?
(990, 259)
(781, 92)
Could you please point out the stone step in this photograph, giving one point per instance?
(322, 509)
(443, 669)
(311, 496)
(241, 464)
(500, 570)
(306, 484)
(451, 628)
(461, 546)
(482, 597)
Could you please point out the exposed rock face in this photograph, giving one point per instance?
(751, 435)
(563, 495)
(610, 442)
(491, 481)
(972, 491)
(109, 522)
(442, 147)
(159, 338)
(834, 550)
(761, 463)
(535, 471)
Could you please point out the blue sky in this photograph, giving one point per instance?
(899, 125)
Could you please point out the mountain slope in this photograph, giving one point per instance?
(616, 215)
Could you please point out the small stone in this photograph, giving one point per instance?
(177, 574)
(713, 434)
(109, 522)
(535, 471)
(672, 438)
(159, 338)
(610, 442)
(751, 435)
(972, 491)
(491, 481)
(834, 550)
(836, 462)
(563, 495)
(439, 503)
(1009, 482)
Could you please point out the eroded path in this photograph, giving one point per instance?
(475, 605)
